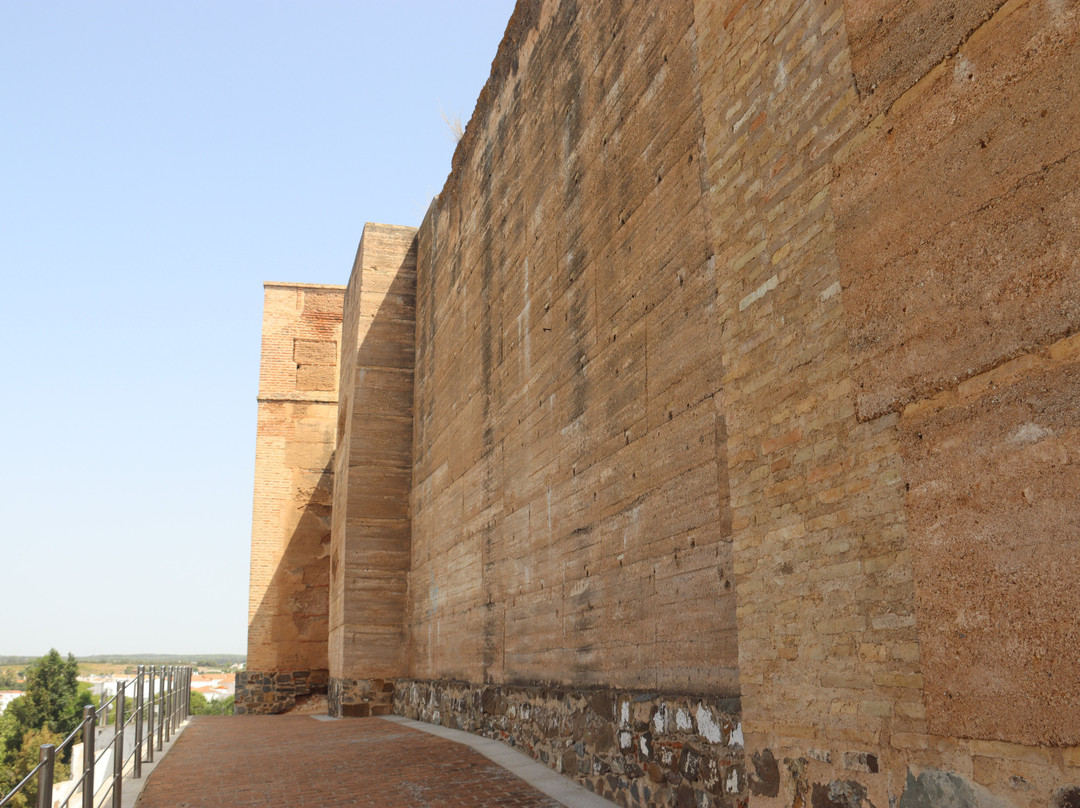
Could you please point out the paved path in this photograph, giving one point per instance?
(298, 761)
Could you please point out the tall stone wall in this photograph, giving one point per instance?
(570, 505)
(893, 215)
(372, 475)
(290, 536)
(745, 396)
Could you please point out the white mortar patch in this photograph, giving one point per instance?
(707, 727)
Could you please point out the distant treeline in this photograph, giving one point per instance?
(197, 660)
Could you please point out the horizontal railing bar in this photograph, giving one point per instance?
(74, 732)
(166, 694)
(18, 788)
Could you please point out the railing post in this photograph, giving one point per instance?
(167, 710)
(187, 693)
(161, 709)
(150, 716)
(118, 747)
(45, 775)
(139, 720)
(89, 733)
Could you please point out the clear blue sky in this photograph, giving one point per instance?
(159, 161)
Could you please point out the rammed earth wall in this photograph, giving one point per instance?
(745, 366)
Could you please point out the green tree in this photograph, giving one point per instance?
(200, 705)
(23, 762)
(50, 709)
(52, 696)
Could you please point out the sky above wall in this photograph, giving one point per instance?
(158, 162)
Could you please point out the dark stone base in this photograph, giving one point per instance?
(357, 698)
(273, 692)
(638, 749)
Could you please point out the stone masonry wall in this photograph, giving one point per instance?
(359, 698)
(290, 537)
(893, 206)
(638, 748)
(747, 361)
(372, 476)
(276, 692)
(880, 309)
(569, 502)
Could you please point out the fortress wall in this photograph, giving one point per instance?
(570, 517)
(883, 310)
(828, 647)
(572, 577)
(290, 543)
(894, 211)
(372, 474)
(744, 429)
(965, 300)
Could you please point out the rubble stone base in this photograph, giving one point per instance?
(636, 748)
(357, 698)
(273, 692)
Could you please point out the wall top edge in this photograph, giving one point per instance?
(297, 399)
(385, 226)
(285, 285)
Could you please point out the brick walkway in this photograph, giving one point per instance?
(297, 761)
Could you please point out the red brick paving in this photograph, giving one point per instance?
(297, 761)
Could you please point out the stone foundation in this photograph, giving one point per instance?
(358, 698)
(273, 692)
(636, 748)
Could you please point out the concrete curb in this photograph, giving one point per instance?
(536, 774)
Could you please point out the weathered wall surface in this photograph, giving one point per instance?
(957, 224)
(372, 474)
(570, 517)
(896, 273)
(290, 536)
(746, 380)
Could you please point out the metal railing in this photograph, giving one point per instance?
(154, 720)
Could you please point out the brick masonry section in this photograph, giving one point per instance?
(274, 692)
(359, 698)
(288, 602)
(636, 748)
